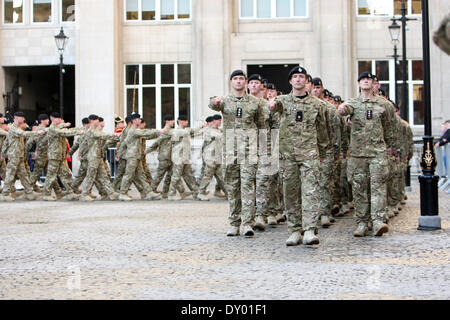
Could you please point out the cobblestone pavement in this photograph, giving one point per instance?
(167, 250)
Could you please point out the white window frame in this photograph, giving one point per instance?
(273, 11)
(158, 86)
(390, 14)
(392, 86)
(61, 13)
(32, 13)
(157, 13)
(13, 24)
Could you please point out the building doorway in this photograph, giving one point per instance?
(274, 73)
(35, 90)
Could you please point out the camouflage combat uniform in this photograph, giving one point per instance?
(57, 164)
(346, 186)
(303, 142)
(367, 168)
(241, 120)
(3, 135)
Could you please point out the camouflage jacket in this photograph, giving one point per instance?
(345, 134)
(373, 126)
(95, 139)
(41, 142)
(122, 147)
(14, 146)
(241, 120)
(164, 144)
(57, 147)
(133, 141)
(3, 136)
(406, 138)
(334, 129)
(212, 146)
(181, 143)
(303, 127)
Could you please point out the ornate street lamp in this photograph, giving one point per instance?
(394, 30)
(61, 42)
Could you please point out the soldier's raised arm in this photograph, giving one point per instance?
(276, 106)
(216, 104)
(147, 134)
(346, 109)
(262, 118)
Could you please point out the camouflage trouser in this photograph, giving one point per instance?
(368, 179)
(121, 167)
(326, 185)
(211, 170)
(81, 174)
(16, 167)
(301, 189)
(3, 169)
(185, 171)
(217, 187)
(398, 184)
(240, 184)
(96, 174)
(134, 173)
(40, 165)
(165, 169)
(267, 196)
(108, 171)
(346, 186)
(337, 186)
(148, 174)
(57, 169)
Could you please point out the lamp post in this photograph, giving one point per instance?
(429, 204)
(61, 42)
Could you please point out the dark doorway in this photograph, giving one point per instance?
(35, 90)
(274, 73)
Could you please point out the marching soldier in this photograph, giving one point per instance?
(14, 151)
(3, 134)
(371, 131)
(134, 170)
(303, 144)
(212, 157)
(148, 174)
(120, 156)
(243, 115)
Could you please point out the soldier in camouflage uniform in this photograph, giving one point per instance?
(212, 157)
(327, 165)
(164, 146)
(371, 132)
(147, 172)
(134, 170)
(14, 151)
(81, 146)
(181, 157)
(3, 135)
(96, 171)
(120, 156)
(347, 197)
(303, 144)
(242, 115)
(57, 163)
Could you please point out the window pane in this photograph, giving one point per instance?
(382, 70)
(42, 10)
(283, 8)
(167, 74)
(417, 69)
(132, 100)
(167, 103)
(416, 7)
(263, 9)
(364, 66)
(149, 106)
(419, 105)
(68, 10)
(148, 74)
(167, 9)
(13, 11)
(398, 6)
(381, 7)
(363, 7)
(184, 9)
(132, 75)
(148, 9)
(132, 10)
(184, 73)
(300, 8)
(246, 8)
(185, 102)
